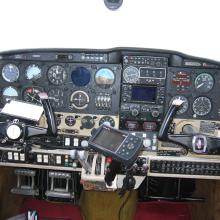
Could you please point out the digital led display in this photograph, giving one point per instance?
(143, 93)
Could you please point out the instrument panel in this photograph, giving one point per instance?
(126, 88)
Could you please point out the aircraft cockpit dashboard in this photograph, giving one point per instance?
(129, 89)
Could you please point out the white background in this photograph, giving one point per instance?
(188, 26)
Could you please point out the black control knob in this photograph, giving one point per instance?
(87, 122)
(155, 113)
(135, 112)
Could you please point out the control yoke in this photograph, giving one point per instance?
(16, 131)
(197, 143)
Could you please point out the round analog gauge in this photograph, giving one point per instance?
(79, 99)
(33, 72)
(70, 120)
(204, 82)
(104, 78)
(184, 106)
(202, 106)
(10, 72)
(56, 97)
(57, 75)
(80, 76)
(9, 93)
(131, 74)
(30, 94)
(109, 121)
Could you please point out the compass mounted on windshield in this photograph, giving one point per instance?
(113, 4)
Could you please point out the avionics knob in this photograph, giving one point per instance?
(134, 112)
(155, 113)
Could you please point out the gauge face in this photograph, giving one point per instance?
(56, 97)
(70, 120)
(10, 72)
(131, 74)
(80, 76)
(33, 72)
(202, 106)
(79, 99)
(204, 82)
(30, 94)
(184, 106)
(109, 121)
(9, 93)
(57, 75)
(104, 78)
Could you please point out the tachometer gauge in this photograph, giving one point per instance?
(204, 82)
(184, 106)
(79, 99)
(107, 120)
(30, 94)
(202, 106)
(9, 93)
(57, 75)
(10, 73)
(104, 78)
(33, 72)
(56, 97)
(131, 74)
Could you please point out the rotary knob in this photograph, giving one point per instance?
(134, 112)
(155, 113)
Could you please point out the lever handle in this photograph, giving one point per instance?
(163, 132)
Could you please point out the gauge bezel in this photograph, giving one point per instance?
(17, 72)
(196, 112)
(179, 112)
(28, 69)
(64, 74)
(79, 107)
(3, 97)
(104, 86)
(137, 74)
(84, 70)
(204, 89)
